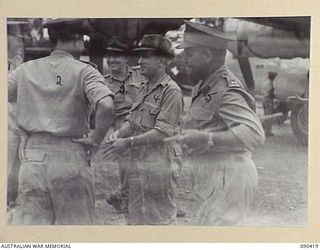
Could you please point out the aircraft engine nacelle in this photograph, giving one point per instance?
(256, 40)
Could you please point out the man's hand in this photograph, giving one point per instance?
(23, 138)
(194, 138)
(118, 146)
(114, 136)
(89, 145)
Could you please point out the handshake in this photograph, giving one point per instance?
(114, 146)
(190, 138)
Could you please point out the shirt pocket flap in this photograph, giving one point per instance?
(149, 115)
(155, 110)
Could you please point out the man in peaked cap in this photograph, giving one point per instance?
(221, 128)
(64, 28)
(154, 116)
(124, 81)
(54, 95)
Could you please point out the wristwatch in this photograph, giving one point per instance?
(210, 141)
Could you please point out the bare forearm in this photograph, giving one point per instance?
(103, 120)
(125, 130)
(242, 137)
(196, 138)
(121, 144)
(149, 137)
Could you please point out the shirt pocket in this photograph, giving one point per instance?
(149, 114)
(134, 113)
(132, 92)
(119, 99)
(201, 114)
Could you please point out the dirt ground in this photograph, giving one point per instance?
(281, 199)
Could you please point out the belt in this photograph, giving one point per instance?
(38, 138)
(52, 136)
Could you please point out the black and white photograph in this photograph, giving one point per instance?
(189, 121)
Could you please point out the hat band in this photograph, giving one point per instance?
(203, 40)
(116, 50)
(153, 50)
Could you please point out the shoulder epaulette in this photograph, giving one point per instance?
(231, 81)
(219, 82)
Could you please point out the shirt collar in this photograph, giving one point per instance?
(61, 53)
(124, 78)
(202, 86)
(162, 81)
(212, 77)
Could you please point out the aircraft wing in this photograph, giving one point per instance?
(270, 37)
(299, 25)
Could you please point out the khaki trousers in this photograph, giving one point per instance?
(56, 183)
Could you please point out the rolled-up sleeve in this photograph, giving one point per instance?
(168, 120)
(241, 119)
(95, 87)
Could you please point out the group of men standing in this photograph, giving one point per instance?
(147, 126)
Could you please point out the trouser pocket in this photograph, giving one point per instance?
(32, 174)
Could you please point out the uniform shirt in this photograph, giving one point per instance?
(153, 166)
(125, 91)
(158, 107)
(54, 94)
(221, 103)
